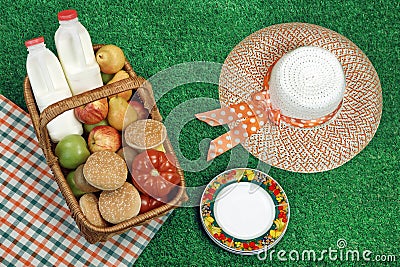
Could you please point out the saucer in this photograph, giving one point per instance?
(244, 211)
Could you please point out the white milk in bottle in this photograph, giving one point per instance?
(75, 51)
(49, 85)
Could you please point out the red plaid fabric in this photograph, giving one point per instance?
(36, 227)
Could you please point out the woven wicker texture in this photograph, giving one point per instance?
(93, 233)
(305, 150)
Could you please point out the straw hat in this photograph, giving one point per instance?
(297, 96)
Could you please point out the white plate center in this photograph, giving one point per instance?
(244, 210)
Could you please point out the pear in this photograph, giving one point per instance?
(110, 58)
(120, 75)
(106, 77)
(120, 113)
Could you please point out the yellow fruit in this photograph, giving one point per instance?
(110, 58)
(120, 113)
(160, 148)
(120, 75)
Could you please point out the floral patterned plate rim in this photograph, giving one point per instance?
(224, 185)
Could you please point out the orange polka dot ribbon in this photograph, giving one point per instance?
(251, 115)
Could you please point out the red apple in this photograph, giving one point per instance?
(104, 138)
(93, 112)
(142, 112)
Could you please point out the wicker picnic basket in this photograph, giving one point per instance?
(141, 88)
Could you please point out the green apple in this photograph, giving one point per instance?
(89, 127)
(72, 185)
(106, 77)
(72, 151)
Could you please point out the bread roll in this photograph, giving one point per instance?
(89, 206)
(145, 134)
(121, 204)
(105, 170)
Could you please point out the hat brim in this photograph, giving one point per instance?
(295, 149)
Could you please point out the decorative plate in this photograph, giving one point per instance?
(244, 211)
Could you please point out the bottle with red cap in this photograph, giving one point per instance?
(75, 51)
(49, 85)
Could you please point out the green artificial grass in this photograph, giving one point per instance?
(358, 202)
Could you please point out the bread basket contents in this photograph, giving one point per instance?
(71, 183)
(153, 135)
(93, 112)
(105, 170)
(81, 183)
(118, 132)
(104, 137)
(128, 154)
(88, 150)
(154, 173)
(120, 204)
(72, 151)
(110, 58)
(148, 203)
(89, 204)
(107, 195)
(120, 113)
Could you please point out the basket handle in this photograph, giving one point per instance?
(136, 83)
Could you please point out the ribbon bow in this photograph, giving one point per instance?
(252, 115)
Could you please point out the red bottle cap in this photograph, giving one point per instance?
(34, 41)
(67, 14)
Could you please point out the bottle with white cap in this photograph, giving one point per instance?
(49, 86)
(75, 51)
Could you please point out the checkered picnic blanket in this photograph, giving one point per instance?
(36, 227)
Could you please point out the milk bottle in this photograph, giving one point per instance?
(75, 51)
(49, 86)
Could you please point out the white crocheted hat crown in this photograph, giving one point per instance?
(307, 83)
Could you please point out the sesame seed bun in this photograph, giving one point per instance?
(145, 134)
(119, 205)
(89, 206)
(81, 183)
(105, 170)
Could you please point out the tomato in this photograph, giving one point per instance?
(154, 173)
(148, 203)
